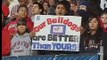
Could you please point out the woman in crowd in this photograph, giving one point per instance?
(45, 8)
(92, 40)
(104, 32)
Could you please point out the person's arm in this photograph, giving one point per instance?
(13, 11)
(6, 42)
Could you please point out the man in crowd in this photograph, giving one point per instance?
(14, 9)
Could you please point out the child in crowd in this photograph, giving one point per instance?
(21, 42)
(92, 40)
(104, 32)
(11, 29)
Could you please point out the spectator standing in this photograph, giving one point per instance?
(21, 42)
(92, 40)
(37, 9)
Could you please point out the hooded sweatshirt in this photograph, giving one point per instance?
(21, 45)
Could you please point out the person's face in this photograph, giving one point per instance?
(82, 7)
(35, 9)
(21, 29)
(104, 18)
(73, 7)
(23, 2)
(60, 10)
(51, 2)
(45, 6)
(22, 13)
(93, 24)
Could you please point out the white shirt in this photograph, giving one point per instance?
(103, 4)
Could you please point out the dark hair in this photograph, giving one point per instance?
(74, 2)
(21, 7)
(46, 2)
(90, 18)
(22, 21)
(97, 34)
(104, 12)
(40, 6)
(83, 24)
(65, 4)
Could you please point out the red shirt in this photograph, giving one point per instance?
(5, 9)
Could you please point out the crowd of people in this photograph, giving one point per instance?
(17, 24)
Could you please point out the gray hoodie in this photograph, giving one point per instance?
(21, 45)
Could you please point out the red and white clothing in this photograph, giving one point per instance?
(9, 29)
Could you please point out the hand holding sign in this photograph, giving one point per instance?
(32, 33)
(58, 33)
